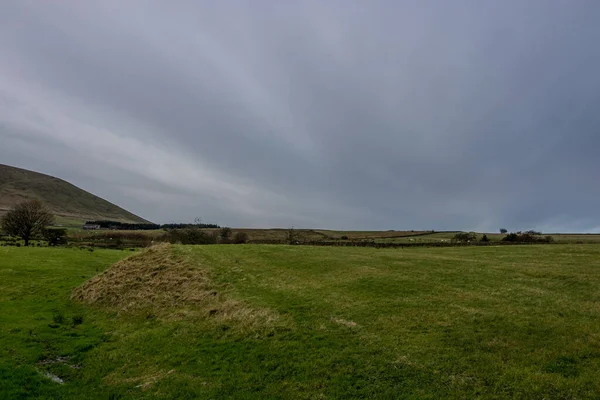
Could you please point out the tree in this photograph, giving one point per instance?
(27, 220)
(503, 231)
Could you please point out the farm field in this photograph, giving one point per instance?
(141, 238)
(275, 321)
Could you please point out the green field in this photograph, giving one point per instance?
(260, 321)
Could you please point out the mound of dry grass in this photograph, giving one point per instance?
(153, 279)
(158, 282)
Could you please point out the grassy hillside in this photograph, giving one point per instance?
(64, 199)
(270, 321)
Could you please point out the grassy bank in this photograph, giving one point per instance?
(254, 321)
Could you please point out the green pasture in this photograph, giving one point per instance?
(309, 323)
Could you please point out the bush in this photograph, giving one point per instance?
(527, 237)
(191, 236)
(464, 237)
(484, 239)
(240, 238)
(115, 239)
(511, 237)
(55, 237)
(225, 233)
(344, 237)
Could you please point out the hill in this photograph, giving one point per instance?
(64, 199)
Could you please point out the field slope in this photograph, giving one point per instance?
(271, 321)
(63, 198)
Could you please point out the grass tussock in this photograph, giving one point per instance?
(158, 283)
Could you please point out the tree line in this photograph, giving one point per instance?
(124, 226)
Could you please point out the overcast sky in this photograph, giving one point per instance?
(472, 115)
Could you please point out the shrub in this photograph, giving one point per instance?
(55, 237)
(291, 236)
(225, 233)
(527, 237)
(240, 238)
(484, 239)
(344, 237)
(511, 237)
(191, 236)
(115, 239)
(464, 237)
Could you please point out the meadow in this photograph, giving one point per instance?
(276, 321)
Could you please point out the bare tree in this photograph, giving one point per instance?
(27, 220)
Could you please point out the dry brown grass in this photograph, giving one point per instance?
(170, 287)
(151, 279)
(349, 324)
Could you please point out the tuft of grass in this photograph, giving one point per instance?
(58, 317)
(77, 319)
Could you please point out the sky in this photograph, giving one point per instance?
(340, 114)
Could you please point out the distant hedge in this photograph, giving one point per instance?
(145, 227)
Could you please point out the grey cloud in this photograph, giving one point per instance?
(379, 115)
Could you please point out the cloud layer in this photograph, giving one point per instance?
(379, 115)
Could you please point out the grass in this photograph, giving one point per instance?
(37, 320)
(302, 322)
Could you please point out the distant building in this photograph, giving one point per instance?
(90, 227)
